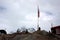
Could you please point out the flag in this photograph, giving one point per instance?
(38, 13)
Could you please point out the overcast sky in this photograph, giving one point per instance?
(15, 14)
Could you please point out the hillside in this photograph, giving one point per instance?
(38, 35)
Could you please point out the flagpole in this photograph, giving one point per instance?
(38, 23)
(38, 19)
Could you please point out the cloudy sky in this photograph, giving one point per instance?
(15, 14)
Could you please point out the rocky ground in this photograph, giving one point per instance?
(38, 35)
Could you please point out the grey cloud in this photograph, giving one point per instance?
(2, 9)
(47, 13)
